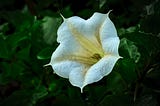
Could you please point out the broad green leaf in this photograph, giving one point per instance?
(148, 43)
(148, 47)
(50, 26)
(115, 83)
(45, 53)
(127, 69)
(14, 40)
(128, 48)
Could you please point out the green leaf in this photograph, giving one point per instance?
(148, 43)
(129, 49)
(4, 52)
(127, 69)
(123, 31)
(24, 54)
(148, 47)
(115, 83)
(50, 26)
(12, 71)
(102, 3)
(14, 40)
(52, 86)
(45, 53)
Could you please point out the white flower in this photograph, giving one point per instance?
(88, 49)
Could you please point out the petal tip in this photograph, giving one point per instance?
(82, 89)
(109, 12)
(62, 17)
(120, 57)
(47, 65)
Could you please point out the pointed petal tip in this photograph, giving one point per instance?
(109, 12)
(120, 57)
(46, 65)
(62, 17)
(84, 84)
(82, 89)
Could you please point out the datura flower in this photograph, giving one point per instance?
(88, 49)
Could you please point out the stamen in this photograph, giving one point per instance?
(96, 56)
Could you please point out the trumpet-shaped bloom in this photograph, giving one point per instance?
(88, 49)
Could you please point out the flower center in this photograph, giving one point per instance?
(93, 49)
(88, 60)
(91, 46)
(96, 56)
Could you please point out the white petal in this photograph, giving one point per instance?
(88, 28)
(109, 37)
(100, 69)
(64, 68)
(110, 46)
(76, 77)
(107, 29)
(64, 50)
(85, 32)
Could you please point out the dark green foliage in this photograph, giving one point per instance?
(28, 32)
